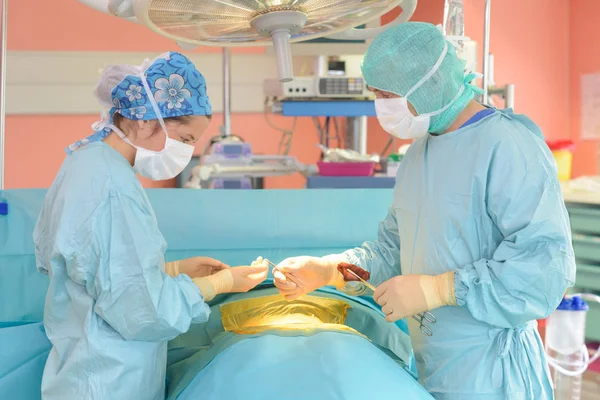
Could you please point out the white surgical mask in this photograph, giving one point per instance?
(156, 165)
(395, 117)
(164, 164)
(397, 120)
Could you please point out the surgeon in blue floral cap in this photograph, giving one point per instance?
(113, 302)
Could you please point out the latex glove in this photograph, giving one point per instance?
(300, 275)
(260, 262)
(408, 295)
(195, 267)
(232, 280)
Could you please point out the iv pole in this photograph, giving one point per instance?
(489, 87)
(486, 50)
(3, 10)
(226, 128)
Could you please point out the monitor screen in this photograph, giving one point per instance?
(232, 150)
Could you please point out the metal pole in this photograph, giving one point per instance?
(4, 10)
(491, 70)
(226, 92)
(320, 66)
(446, 15)
(486, 50)
(357, 130)
(362, 133)
(510, 95)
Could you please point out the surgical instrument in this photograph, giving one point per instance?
(288, 275)
(427, 316)
(367, 284)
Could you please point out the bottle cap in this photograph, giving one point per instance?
(574, 303)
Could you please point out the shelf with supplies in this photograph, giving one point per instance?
(584, 213)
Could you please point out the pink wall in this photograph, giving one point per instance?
(35, 145)
(34, 141)
(584, 58)
(529, 39)
(68, 25)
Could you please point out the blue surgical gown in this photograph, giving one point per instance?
(483, 201)
(110, 308)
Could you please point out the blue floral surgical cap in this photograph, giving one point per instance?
(177, 87)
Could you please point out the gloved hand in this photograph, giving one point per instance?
(232, 280)
(408, 295)
(300, 275)
(195, 267)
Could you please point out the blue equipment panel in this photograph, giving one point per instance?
(350, 182)
(328, 108)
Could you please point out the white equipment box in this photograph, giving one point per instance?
(306, 87)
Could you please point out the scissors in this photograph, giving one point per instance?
(420, 318)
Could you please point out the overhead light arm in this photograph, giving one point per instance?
(118, 8)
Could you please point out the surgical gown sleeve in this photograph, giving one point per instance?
(533, 265)
(118, 256)
(382, 256)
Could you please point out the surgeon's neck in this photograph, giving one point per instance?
(119, 145)
(472, 108)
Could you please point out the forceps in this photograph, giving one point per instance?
(426, 316)
(288, 275)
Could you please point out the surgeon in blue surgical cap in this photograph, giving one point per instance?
(477, 232)
(113, 302)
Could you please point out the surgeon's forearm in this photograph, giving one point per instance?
(212, 285)
(172, 268)
(515, 296)
(380, 257)
(335, 277)
(206, 288)
(168, 310)
(376, 257)
(438, 290)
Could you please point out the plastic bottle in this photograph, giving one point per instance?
(565, 345)
(567, 387)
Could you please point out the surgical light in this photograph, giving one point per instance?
(229, 23)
